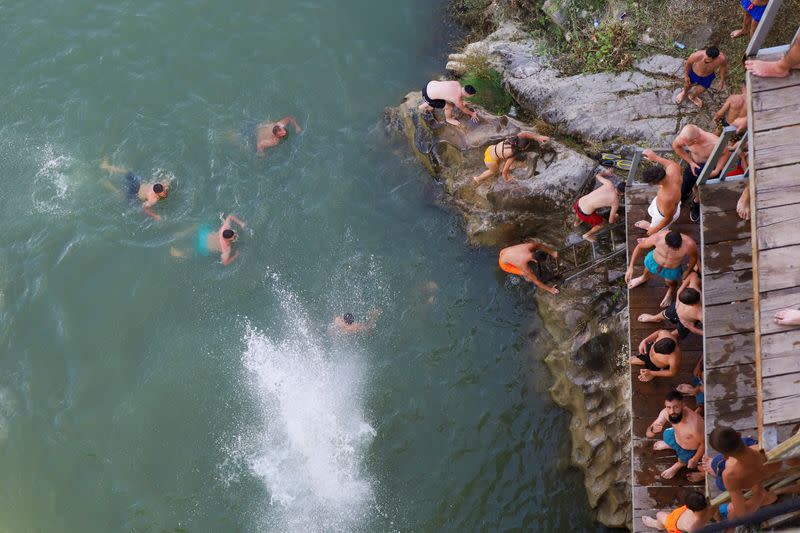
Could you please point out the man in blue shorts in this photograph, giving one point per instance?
(753, 11)
(686, 437)
(700, 71)
(669, 249)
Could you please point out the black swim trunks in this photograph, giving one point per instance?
(436, 104)
(648, 363)
(689, 181)
(133, 182)
(671, 314)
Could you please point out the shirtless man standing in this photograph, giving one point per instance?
(665, 260)
(776, 69)
(445, 95)
(687, 313)
(753, 11)
(220, 241)
(148, 193)
(733, 110)
(606, 195)
(269, 134)
(515, 259)
(694, 146)
(686, 436)
(660, 354)
(744, 470)
(666, 206)
(701, 69)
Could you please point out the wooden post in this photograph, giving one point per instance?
(763, 28)
(637, 158)
(719, 148)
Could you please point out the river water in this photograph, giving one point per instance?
(144, 392)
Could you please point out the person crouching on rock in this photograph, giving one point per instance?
(686, 436)
(445, 95)
(515, 259)
(606, 195)
(507, 151)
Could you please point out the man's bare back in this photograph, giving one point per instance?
(735, 107)
(269, 134)
(606, 195)
(515, 259)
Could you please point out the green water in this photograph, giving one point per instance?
(139, 392)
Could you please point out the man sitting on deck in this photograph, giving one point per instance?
(686, 436)
(670, 248)
(666, 206)
(776, 69)
(660, 355)
(692, 515)
(694, 146)
(606, 195)
(687, 313)
(701, 69)
(515, 259)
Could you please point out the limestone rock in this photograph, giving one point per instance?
(661, 64)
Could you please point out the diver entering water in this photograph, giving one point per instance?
(346, 323)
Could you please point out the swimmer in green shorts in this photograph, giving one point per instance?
(209, 241)
(670, 248)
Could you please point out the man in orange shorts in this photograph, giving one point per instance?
(515, 259)
(689, 517)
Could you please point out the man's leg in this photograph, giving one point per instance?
(488, 173)
(657, 522)
(448, 115)
(589, 235)
(684, 92)
(670, 472)
(671, 287)
(746, 19)
(635, 282)
(776, 69)
(694, 95)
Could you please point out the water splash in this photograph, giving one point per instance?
(51, 186)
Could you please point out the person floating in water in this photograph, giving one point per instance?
(210, 241)
(701, 69)
(606, 195)
(515, 259)
(136, 188)
(445, 95)
(269, 134)
(346, 323)
(508, 151)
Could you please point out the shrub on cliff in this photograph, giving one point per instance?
(488, 82)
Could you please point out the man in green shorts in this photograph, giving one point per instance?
(669, 249)
(220, 241)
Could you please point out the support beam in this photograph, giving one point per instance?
(719, 149)
(763, 28)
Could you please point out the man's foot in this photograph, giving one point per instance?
(667, 298)
(589, 237)
(576, 223)
(652, 523)
(635, 361)
(681, 97)
(694, 212)
(738, 33)
(696, 477)
(696, 101)
(644, 317)
(454, 122)
(685, 388)
(766, 69)
(788, 317)
(660, 445)
(644, 378)
(743, 205)
(177, 254)
(643, 224)
(635, 282)
(670, 472)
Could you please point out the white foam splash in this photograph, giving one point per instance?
(51, 182)
(309, 449)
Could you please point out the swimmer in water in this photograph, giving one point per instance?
(269, 134)
(148, 193)
(346, 323)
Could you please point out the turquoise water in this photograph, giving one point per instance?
(140, 392)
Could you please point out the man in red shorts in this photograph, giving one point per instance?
(606, 195)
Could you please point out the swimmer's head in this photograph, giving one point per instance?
(160, 190)
(469, 90)
(279, 130)
(228, 234)
(673, 239)
(654, 175)
(621, 187)
(348, 318)
(689, 296)
(540, 256)
(712, 52)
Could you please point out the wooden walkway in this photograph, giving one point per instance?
(651, 493)
(775, 199)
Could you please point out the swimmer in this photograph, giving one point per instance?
(508, 151)
(515, 259)
(269, 134)
(700, 71)
(446, 95)
(209, 241)
(148, 193)
(346, 323)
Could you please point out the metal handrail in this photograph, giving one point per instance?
(716, 153)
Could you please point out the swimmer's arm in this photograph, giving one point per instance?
(227, 258)
(463, 107)
(602, 177)
(539, 246)
(657, 425)
(692, 261)
(722, 110)
(613, 216)
(697, 331)
(507, 168)
(234, 218)
(285, 121)
(698, 455)
(530, 135)
(650, 155)
(146, 208)
(677, 147)
(687, 68)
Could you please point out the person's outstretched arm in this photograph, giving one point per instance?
(530, 135)
(464, 109)
(285, 121)
(233, 218)
(658, 424)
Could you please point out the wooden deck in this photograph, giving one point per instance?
(651, 493)
(775, 201)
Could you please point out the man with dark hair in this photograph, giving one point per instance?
(692, 515)
(686, 436)
(669, 249)
(745, 470)
(445, 95)
(515, 259)
(687, 313)
(209, 241)
(346, 323)
(148, 193)
(660, 354)
(700, 70)
(269, 134)
(694, 146)
(606, 195)
(666, 206)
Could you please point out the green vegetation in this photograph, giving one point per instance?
(488, 82)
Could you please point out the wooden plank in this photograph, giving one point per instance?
(646, 498)
(776, 148)
(738, 413)
(777, 226)
(779, 268)
(776, 366)
(775, 387)
(721, 196)
(725, 226)
(731, 382)
(783, 344)
(782, 410)
(778, 186)
(729, 350)
(772, 84)
(727, 287)
(777, 108)
(727, 256)
(726, 319)
(774, 301)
